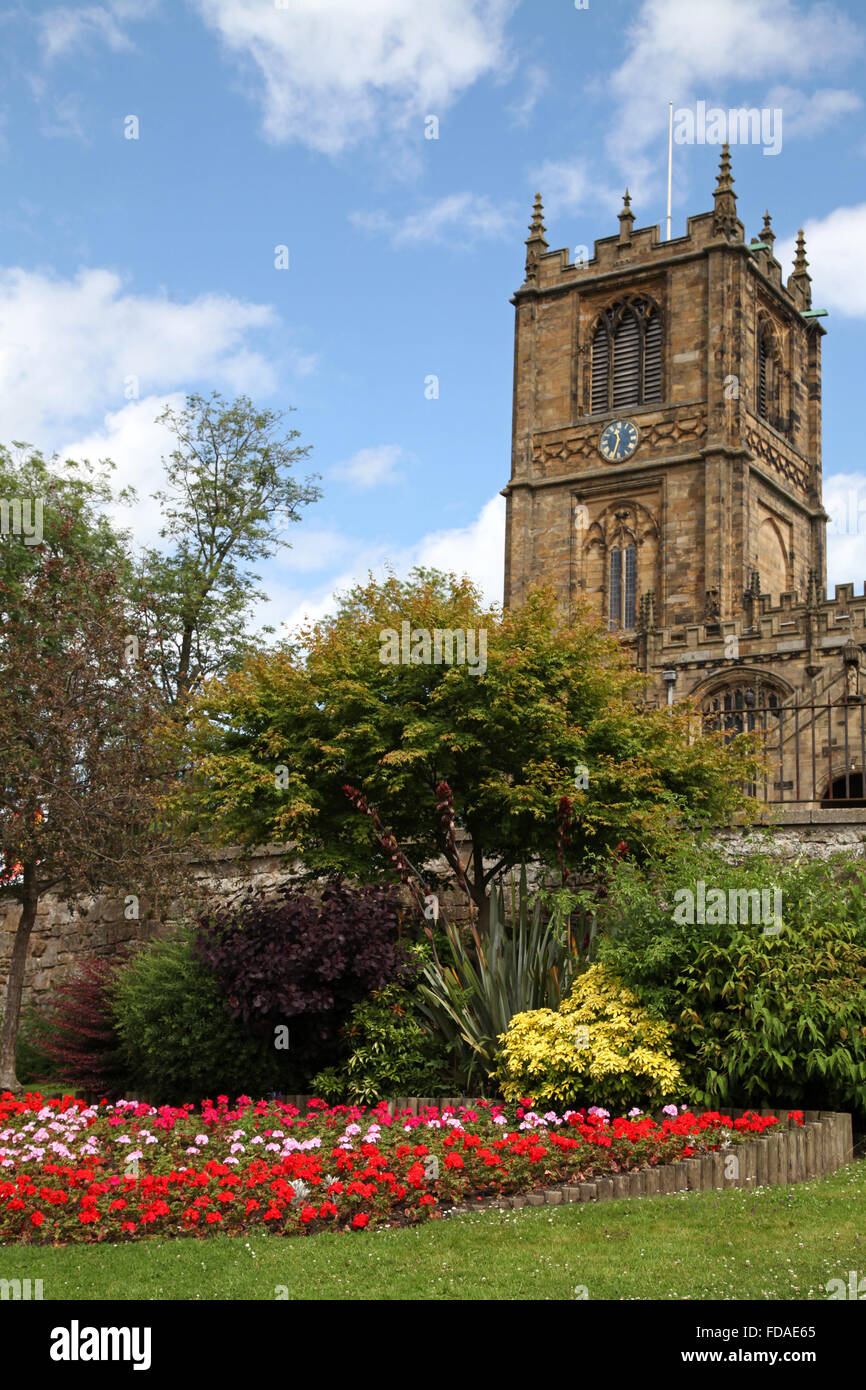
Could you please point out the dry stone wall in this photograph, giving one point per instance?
(98, 926)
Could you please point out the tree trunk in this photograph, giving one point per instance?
(483, 905)
(29, 903)
(478, 888)
(182, 687)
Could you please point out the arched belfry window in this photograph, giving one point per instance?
(622, 586)
(627, 356)
(742, 708)
(768, 376)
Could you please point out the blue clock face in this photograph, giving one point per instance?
(618, 441)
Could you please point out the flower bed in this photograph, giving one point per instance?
(71, 1172)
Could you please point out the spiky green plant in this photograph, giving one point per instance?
(528, 959)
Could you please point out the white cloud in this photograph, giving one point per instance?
(806, 115)
(60, 113)
(72, 349)
(680, 50)
(458, 219)
(63, 29)
(131, 438)
(537, 82)
(834, 250)
(845, 501)
(566, 186)
(330, 73)
(477, 550)
(370, 467)
(313, 549)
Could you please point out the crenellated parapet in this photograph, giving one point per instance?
(801, 648)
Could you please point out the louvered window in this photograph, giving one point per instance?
(652, 362)
(762, 375)
(626, 362)
(601, 369)
(627, 357)
(768, 378)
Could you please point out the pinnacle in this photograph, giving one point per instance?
(536, 226)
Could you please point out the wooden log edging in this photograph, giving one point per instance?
(822, 1144)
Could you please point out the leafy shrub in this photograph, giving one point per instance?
(601, 1044)
(32, 1062)
(75, 1030)
(304, 963)
(761, 1016)
(393, 1052)
(524, 962)
(179, 1040)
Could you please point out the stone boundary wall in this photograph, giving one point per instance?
(96, 925)
(815, 833)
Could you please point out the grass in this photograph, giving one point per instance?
(776, 1243)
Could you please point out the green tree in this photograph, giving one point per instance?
(555, 713)
(229, 490)
(83, 776)
(62, 503)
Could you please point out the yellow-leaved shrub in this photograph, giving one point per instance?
(599, 1047)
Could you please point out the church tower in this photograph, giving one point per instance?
(666, 456)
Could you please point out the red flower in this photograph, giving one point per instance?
(37, 1218)
(213, 1216)
(360, 1220)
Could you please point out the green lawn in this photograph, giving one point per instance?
(779, 1243)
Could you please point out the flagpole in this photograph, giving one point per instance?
(670, 163)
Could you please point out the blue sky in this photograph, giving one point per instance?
(303, 125)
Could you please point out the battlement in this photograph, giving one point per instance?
(835, 620)
(635, 251)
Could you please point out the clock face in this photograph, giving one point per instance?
(618, 441)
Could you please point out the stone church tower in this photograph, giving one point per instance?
(666, 459)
